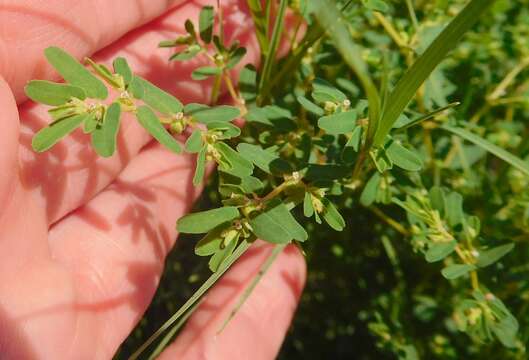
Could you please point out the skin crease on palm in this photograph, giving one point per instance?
(83, 239)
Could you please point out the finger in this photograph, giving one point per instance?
(82, 27)
(71, 173)
(116, 244)
(258, 329)
(9, 141)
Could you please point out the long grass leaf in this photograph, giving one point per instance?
(410, 82)
(259, 22)
(270, 56)
(195, 297)
(490, 147)
(248, 291)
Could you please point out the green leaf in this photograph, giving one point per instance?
(323, 91)
(490, 256)
(205, 114)
(369, 194)
(352, 145)
(204, 221)
(376, 5)
(437, 199)
(235, 57)
(403, 158)
(264, 160)
(340, 123)
(194, 142)
(158, 99)
(277, 225)
(76, 74)
(222, 255)
(187, 54)
(200, 166)
(308, 208)
(206, 20)
(50, 135)
(105, 135)
(50, 93)
(121, 67)
(332, 216)
(454, 209)
(439, 251)
(456, 270)
(248, 83)
(410, 82)
(493, 149)
(135, 88)
(232, 161)
(148, 119)
(227, 129)
(211, 242)
(310, 106)
(204, 72)
(330, 19)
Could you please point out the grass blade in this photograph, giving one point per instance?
(410, 82)
(490, 147)
(248, 291)
(170, 335)
(259, 22)
(196, 296)
(329, 18)
(270, 55)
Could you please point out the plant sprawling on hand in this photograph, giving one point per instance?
(361, 115)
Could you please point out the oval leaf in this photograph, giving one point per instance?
(51, 93)
(158, 99)
(205, 114)
(403, 158)
(50, 135)
(340, 123)
(121, 67)
(105, 135)
(438, 252)
(457, 270)
(76, 74)
(206, 20)
(204, 221)
(490, 256)
(194, 142)
(277, 225)
(152, 124)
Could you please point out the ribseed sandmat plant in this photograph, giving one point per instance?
(358, 115)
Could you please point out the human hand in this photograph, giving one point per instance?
(83, 238)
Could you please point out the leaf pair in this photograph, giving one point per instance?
(327, 210)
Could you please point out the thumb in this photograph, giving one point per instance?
(9, 140)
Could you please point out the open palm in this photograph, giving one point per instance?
(82, 238)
